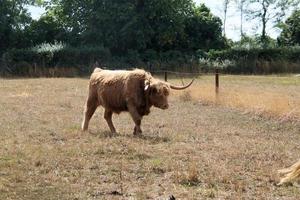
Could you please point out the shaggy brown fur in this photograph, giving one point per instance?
(134, 91)
(290, 174)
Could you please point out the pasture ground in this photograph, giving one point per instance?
(194, 150)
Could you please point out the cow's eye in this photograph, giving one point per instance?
(166, 92)
(154, 90)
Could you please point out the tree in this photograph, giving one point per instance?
(13, 19)
(290, 34)
(250, 42)
(267, 11)
(121, 24)
(47, 29)
(225, 9)
(241, 7)
(203, 30)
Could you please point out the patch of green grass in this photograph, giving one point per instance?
(139, 156)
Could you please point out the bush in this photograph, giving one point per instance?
(260, 61)
(18, 61)
(49, 60)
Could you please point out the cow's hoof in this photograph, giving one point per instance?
(138, 135)
(137, 131)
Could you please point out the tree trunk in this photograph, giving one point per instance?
(241, 17)
(226, 2)
(264, 21)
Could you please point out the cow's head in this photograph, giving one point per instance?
(158, 92)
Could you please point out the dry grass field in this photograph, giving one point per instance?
(202, 147)
(269, 96)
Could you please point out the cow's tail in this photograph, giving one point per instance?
(291, 173)
(97, 69)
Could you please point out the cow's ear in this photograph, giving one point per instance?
(147, 85)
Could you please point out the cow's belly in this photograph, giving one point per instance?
(115, 106)
(112, 99)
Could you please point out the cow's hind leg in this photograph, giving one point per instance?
(89, 110)
(107, 117)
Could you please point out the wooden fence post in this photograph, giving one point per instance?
(166, 76)
(217, 80)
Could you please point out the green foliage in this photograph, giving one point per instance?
(45, 30)
(18, 61)
(236, 60)
(209, 65)
(59, 55)
(268, 11)
(290, 34)
(48, 47)
(202, 24)
(155, 34)
(13, 18)
(260, 60)
(255, 42)
(121, 26)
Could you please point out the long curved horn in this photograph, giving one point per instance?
(181, 87)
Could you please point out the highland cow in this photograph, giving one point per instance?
(134, 91)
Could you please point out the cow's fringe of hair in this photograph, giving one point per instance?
(97, 69)
(290, 174)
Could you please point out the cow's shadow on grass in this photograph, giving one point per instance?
(153, 139)
(104, 134)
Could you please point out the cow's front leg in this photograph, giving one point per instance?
(137, 118)
(107, 117)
